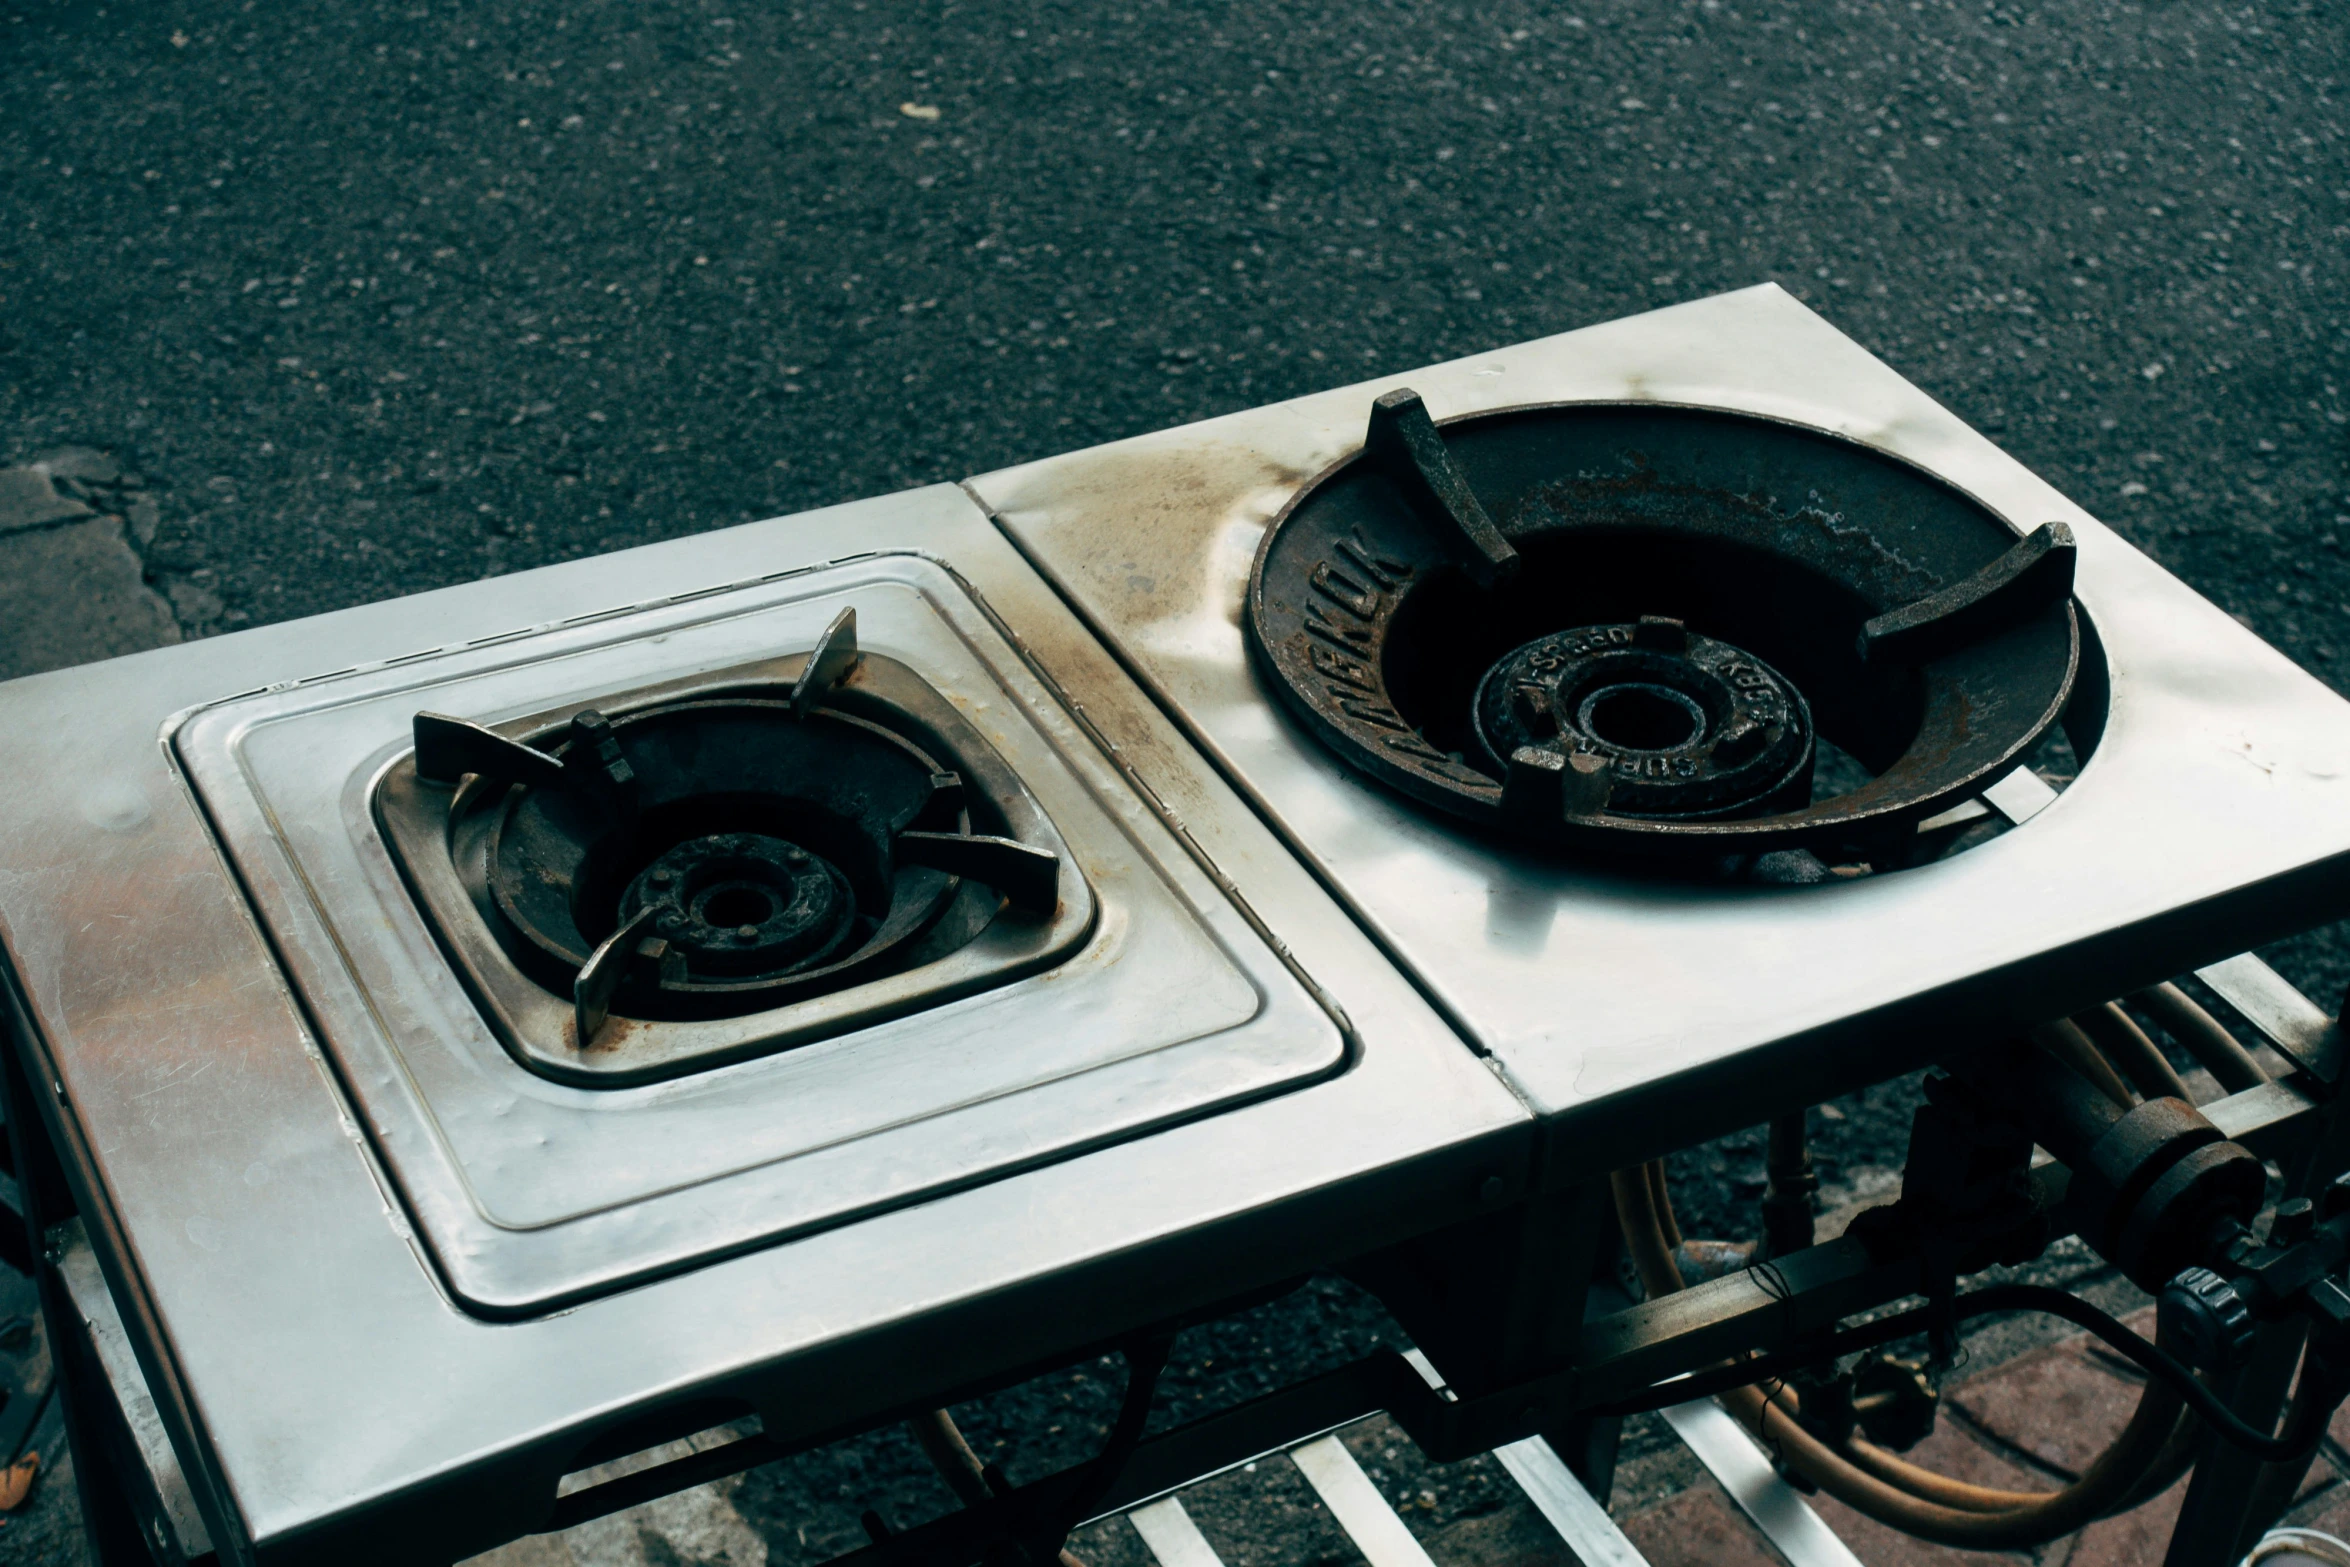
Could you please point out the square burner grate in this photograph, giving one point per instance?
(777, 870)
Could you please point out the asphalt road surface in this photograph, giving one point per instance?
(375, 298)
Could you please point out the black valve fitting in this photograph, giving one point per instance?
(2205, 1321)
(2155, 1187)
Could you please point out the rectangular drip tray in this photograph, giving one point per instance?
(1071, 980)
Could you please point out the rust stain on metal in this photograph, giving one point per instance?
(1167, 499)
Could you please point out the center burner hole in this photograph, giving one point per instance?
(1638, 716)
(737, 903)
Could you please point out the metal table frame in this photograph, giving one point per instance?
(1523, 1398)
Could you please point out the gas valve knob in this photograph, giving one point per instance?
(2204, 1319)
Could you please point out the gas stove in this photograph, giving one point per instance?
(1735, 926)
(822, 969)
(736, 951)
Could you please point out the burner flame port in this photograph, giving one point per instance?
(1639, 715)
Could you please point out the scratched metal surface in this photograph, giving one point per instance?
(324, 1389)
(2214, 812)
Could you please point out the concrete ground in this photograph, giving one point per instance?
(302, 307)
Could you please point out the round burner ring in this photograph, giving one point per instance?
(1689, 727)
(1401, 602)
(744, 903)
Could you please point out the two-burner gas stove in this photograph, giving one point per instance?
(813, 972)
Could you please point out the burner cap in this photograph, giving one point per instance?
(744, 903)
(1688, 727)
(1631, 626)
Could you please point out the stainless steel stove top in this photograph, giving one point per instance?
(327, 1194)
(2213, 811)
(335, 1161)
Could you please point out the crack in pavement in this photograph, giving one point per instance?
(74, 581)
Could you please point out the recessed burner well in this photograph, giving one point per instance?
(725, 854)
(757, 860)
(1632, 627)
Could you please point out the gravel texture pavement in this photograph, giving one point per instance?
(377, 297)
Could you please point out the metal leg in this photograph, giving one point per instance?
(107, 1514)
(2234, 1497)
(1498, 1299)
(2273, 1492)
(1504, 1299)
(2218, 1522)
(117, 1506)
(1587, 1445)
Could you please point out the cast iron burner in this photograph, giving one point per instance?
(1689, 727)
(709, 858)
(1675, 607)
(744, 903)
